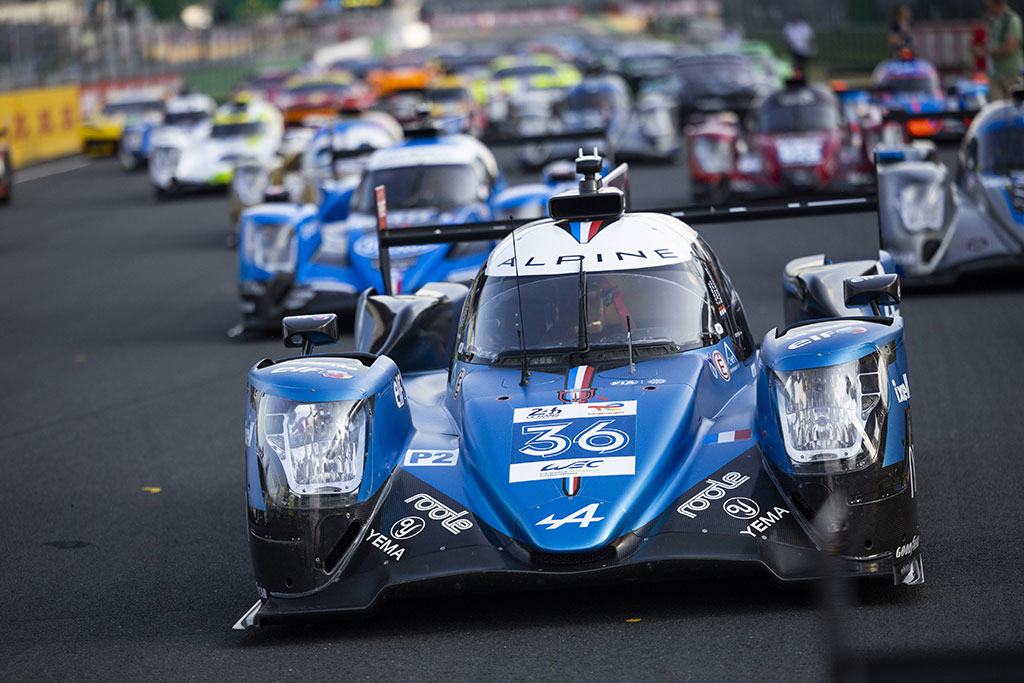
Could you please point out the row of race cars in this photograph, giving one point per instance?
(303, 207)
(548, 388)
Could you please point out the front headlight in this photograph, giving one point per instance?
(250, 184)
(320, 447)
(832, 418)
(921, 206)
(270, 246)
(713, 155)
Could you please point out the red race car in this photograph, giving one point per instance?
(797, 141)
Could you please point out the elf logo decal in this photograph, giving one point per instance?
(902, 390)
(407, 527)
(723, 368)
(906, 550)
(818, 336)
(585, 516)
(424, 458)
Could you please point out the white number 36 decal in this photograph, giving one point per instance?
(548, 439)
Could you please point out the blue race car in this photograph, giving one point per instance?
(181, 115)
(592, 408)
(295, 259)
(909, 88)
(940, 223)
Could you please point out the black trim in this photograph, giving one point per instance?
(881, 320)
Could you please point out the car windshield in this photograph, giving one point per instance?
(647, 65)
(414, 187)
(449, 95)
(132, 108)
(722, 72)
(236, 130)
(524, 71)
(585, 101)
(1002, 151)
(667, 307)
(185, 118)
(796, 118)
(923, 84)
(319, 86)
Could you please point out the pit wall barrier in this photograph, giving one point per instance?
(41, 123)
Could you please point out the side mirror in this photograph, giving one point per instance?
(307, 331)
(872, 290)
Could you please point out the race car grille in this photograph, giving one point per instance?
(338, 551)
(605, 554)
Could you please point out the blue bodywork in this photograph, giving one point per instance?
(335, 247)
(136, 143)
(965, 95)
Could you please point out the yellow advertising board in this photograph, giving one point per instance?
(41, 123)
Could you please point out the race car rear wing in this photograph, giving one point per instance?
(696, 214)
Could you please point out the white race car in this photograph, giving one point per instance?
(205, 158)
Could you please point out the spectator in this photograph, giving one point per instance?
(1003, 49)
(899, 31)
(801, 43)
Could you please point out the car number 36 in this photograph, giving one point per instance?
(548, 440)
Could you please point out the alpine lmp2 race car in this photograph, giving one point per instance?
(305, 258)
(592, 408)
(939, 224)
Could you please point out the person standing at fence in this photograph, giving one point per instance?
(900, 38)
(1003, 48)
(801, 42)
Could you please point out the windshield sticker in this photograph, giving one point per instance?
(573, 440)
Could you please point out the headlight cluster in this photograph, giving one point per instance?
(319, 447)
(832, 418)
(714, 155)
(270, 246)
(921, 206)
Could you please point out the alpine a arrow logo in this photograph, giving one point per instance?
(585, 516)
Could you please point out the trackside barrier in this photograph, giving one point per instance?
(42, 123)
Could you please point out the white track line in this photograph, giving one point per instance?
(49, 169)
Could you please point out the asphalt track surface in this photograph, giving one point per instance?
(118, 376)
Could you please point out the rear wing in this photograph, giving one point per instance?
(695, 214)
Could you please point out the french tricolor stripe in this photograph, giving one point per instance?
(585, 231)
(727, 437)
(581, 377)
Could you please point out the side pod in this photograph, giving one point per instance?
(417, 331)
